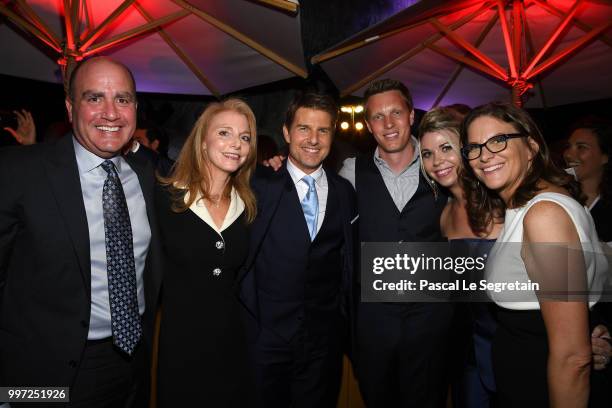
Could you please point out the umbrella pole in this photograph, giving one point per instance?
(517, 97)
(519, 87)
(67, 64)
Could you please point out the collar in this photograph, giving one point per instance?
(135, 146)
(297, 174)
(415, 156)
(236, 208)
(87, 161)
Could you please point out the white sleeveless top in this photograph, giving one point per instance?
(505, 263)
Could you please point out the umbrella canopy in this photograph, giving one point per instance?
(201, 47)
(540, 52)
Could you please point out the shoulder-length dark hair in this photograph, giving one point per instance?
(484, 205)
(190, 176)
(602, 129)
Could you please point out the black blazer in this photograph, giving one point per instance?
(45, 268)
(268, 187)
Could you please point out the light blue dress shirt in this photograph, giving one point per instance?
(92, 178)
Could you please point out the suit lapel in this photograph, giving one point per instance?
(269, 199)
(153, 264)
(346, 218)
(63, 174)
(145, 180)
(343, 205)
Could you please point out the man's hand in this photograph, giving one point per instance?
(25, 133)
(601, 347)
(275, 162)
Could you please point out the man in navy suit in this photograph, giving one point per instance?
(299, 271)
(79, 266)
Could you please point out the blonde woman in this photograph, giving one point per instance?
(472, 379)
(204, 208)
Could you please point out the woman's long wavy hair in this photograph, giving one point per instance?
(190, 177)
(485, 205)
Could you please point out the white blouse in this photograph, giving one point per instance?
(505, 264)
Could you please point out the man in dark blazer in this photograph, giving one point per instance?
(400, 356)
(79, 273)
(299, 271)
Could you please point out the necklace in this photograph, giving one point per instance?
(215, 200)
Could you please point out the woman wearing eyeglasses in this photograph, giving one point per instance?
(541, 350)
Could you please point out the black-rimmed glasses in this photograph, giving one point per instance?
(495, 144)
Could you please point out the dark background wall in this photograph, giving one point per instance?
(324, 23)
(177, 113)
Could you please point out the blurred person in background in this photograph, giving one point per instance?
(25, 132)
(152, 143)
(587, 152)
(266, 148)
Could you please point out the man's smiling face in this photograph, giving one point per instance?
(102, 109)
(389, 119)
(309, 138)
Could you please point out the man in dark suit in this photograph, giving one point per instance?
(400, 354)
(299, 270)
(79, 277)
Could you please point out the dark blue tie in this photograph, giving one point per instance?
(125, 319)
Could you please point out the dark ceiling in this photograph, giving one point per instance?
(327, 22)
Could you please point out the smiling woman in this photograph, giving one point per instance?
(588, 152)
(508, 168)
(514, 171)
(472, 382)
(440, 153)
(204, 208)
